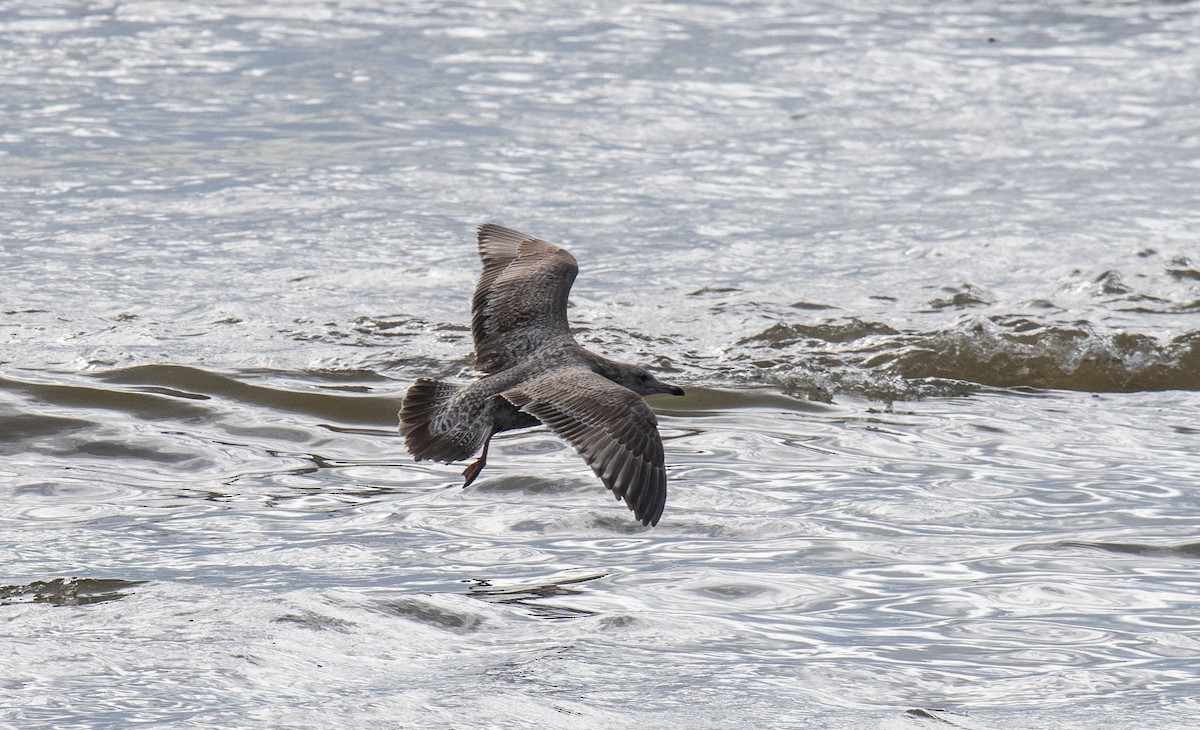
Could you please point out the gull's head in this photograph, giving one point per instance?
(640, 381)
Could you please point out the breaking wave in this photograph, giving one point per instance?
(878, 361)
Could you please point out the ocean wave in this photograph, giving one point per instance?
(877, 361)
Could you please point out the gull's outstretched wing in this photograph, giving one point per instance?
(520, 302)
(610, 426)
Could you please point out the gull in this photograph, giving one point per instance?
(536, 373)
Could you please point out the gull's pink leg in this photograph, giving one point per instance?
(473, 470)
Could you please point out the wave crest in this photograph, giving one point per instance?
(877, 361)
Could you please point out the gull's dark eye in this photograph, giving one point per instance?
(642, 377)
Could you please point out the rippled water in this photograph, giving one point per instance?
(928, 271)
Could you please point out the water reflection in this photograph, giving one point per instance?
(532, 597)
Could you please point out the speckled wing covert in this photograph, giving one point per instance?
(520, 302)
(610, 426)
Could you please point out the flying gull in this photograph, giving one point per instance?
(537, 373)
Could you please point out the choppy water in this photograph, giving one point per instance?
(929, 272)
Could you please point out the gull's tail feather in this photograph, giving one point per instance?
(422, 416)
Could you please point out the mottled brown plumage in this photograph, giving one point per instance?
(520, 301)
(537, 373)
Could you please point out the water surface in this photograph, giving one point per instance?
(928, 272)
